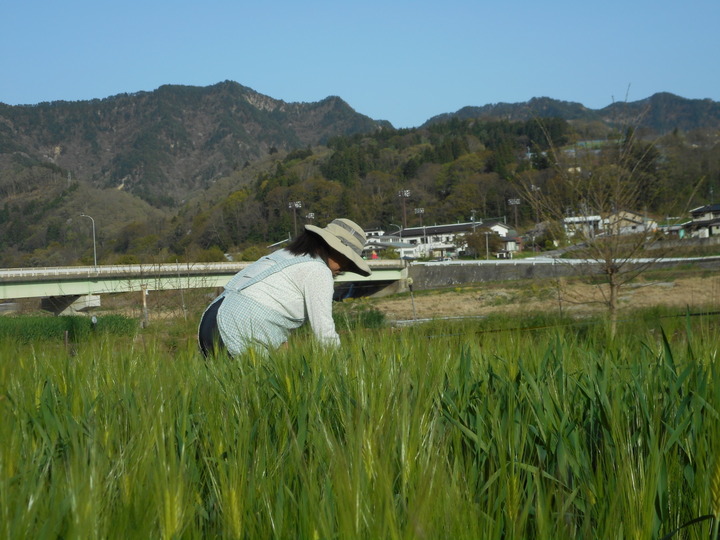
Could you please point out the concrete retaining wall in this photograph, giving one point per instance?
(433, 275)
(447, 274)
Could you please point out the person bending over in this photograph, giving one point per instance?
(263, 303)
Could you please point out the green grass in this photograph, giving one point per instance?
(534, 427)
(28, 329)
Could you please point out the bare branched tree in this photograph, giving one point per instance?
(597, 196)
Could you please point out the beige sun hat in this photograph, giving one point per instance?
(347, 238)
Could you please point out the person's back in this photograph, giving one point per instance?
(292, 289)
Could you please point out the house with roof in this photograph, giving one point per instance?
(705, 221)
(617, 223)
(588, 226)
(627, 222)
(430, 241)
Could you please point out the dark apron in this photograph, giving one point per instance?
(208, 333)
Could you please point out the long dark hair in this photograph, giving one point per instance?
(309, 243)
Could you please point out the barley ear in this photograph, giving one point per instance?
(715, 489)
(715, 494)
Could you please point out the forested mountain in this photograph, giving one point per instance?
(657, 115)
(162, 146)
(186, 173)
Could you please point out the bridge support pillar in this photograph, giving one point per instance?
(70, 305)
(393, 287)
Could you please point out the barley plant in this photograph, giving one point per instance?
(523, 427)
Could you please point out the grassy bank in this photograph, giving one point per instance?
(529, 427)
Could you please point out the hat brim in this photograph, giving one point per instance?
(361, 266)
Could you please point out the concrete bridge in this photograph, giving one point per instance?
(68, 289)
(76, 288)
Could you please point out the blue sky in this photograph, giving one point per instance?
(402, 61)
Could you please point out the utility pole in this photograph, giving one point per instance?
(536, 190)
(514, 203)
(404, 194)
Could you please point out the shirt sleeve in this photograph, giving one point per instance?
(318, 291)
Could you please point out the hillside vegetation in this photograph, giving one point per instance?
(188, 173)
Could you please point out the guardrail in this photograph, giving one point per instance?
(119, 270)
(172, 269)
(571, 262)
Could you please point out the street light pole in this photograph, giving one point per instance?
(294, 205)
(93, 237)
(420, 212)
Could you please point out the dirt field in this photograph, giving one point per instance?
(571, 298)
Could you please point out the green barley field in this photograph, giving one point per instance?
(514, 427)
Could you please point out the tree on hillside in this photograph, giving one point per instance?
(688, 157)
(482, 242)
(600, 196)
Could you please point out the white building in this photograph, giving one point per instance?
(617, 223)
(705, 221)
(587, 226)
(431, 241)
(626, 222)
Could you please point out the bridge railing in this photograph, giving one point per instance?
(128, 270)
(64, 272)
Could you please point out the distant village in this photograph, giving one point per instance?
(448, 241)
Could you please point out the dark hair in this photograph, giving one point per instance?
(309, 243)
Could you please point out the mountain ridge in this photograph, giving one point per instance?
(175, 139)
(660, 113)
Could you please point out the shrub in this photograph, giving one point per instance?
(358, 314)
